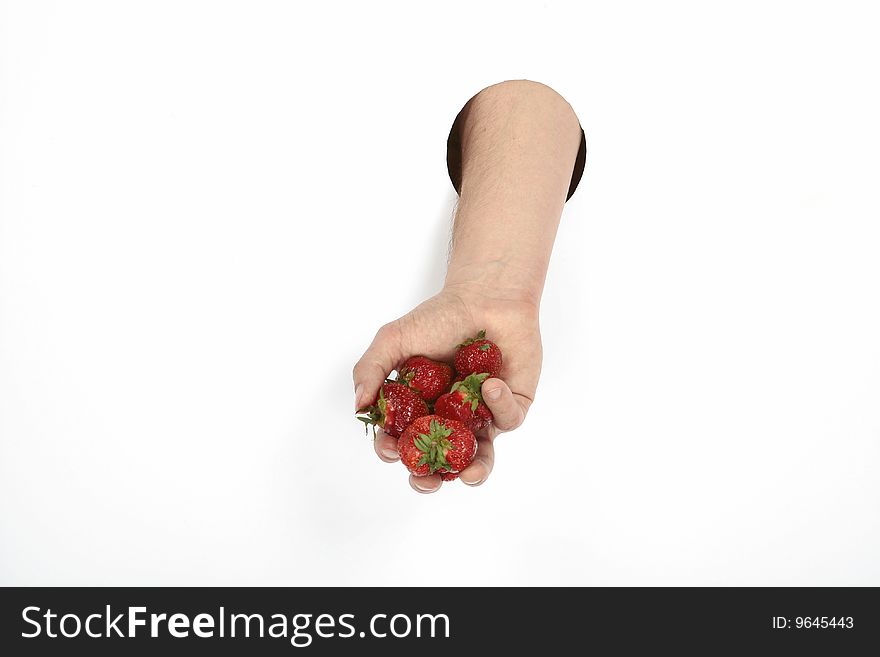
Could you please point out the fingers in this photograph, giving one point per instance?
(378, 360)
(386, 447)
(478, 471)
(386, 450)
(508, 409)
(428, 484)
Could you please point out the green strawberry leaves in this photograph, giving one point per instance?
(405, 376)
(368, 422)
(374, 415)
(480, 336)
(383, 405)
(434, 446)
(470, 388)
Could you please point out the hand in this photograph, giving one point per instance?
(433, 329)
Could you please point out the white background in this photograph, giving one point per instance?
(207, 209)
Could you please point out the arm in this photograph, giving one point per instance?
(519, 141)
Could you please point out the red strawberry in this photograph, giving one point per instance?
(430, 378)
(435, 444)
(478, 355)
(449, 476)
(395, 408)
(465, 403)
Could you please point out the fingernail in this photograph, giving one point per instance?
(473, 483)
(390, 453)
(423, 489)
(357, 396)
(493, 394)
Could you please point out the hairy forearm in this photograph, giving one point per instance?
(519, 143)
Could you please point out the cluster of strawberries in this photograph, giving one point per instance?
(434, 411)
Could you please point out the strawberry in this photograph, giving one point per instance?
(430, 378)
(435, 444)
(465, 403)
(478, 355)
(449, 476)
(395, 408)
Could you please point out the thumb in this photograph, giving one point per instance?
(378, 360)
(508, 408)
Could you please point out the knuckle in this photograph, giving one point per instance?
(392, 334)
(357, 370)
(386, 331)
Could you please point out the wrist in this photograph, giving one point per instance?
(500, 250)
(495, 279)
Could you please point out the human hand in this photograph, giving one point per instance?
(433, 329)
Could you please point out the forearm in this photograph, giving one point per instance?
(519, 144)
